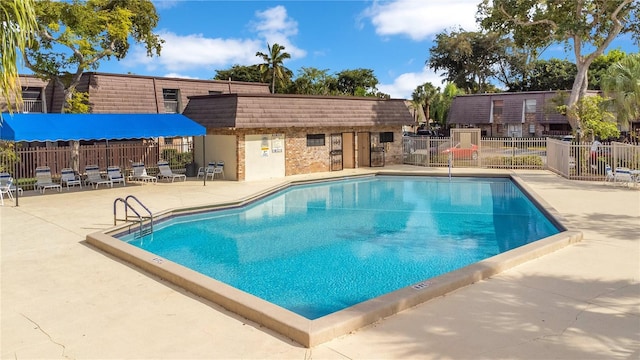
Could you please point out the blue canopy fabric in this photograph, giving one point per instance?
(66, 127)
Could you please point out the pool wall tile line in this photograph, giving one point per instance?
(311, 333)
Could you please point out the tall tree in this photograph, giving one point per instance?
(75, 36)
(425, 95)
(249, 73)
(273, 66)
(17, 25)
(585, 25)
(417, 102)
(468, 58)
(622, 84)
(601, 65)
(596, 120)
(360, 82)
(546, 75)
(442, 103)
(313, 81)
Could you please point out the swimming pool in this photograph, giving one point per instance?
(392, 229)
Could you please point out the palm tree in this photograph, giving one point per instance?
(17, 24)
(622, 83)
(273, 65)
(430, 94)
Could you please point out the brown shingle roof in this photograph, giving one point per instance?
(278, 110)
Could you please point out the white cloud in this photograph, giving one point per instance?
(403, 85)
(189, 52)
(196, 52)
(275, 26)
(420, 19)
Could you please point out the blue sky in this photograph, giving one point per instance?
(390, 37)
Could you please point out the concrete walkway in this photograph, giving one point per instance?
(61, 298)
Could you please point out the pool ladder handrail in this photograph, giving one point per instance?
(139, 218)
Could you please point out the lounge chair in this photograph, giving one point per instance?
(207, 171)
(219, 169)
(609, 177)
(94, 178)
(70, 178)
(44, 181)
(623, 175)
(5, 187)
(114, 174)
(140, 173)
(166, 173)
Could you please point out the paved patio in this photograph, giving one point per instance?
(61, 298)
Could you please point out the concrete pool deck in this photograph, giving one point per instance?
(61, 298)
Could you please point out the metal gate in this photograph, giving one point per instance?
(335, 155)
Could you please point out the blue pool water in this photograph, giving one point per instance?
(316, 249)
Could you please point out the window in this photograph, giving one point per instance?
(171, 99)
(32, 100)
(386, 137)
(497, 107)
(315, 139)
(530, 106)
(214, 92)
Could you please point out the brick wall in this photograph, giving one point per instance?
(303, 159)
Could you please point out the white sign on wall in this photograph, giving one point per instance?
(276, 143)
(264, 145)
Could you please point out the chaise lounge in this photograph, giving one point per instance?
(167, 174)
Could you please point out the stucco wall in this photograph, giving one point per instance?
(218, 148)
(264, 156)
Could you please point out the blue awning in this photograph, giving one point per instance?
(65, 127)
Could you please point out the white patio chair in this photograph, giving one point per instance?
(623, 175)
(70, 178)
(609, 177)
(114, 174)
(218, 169)
(166, 173)
(5, 187)
(140, 173)
(44, 181)
(207, 171)
(94, 178)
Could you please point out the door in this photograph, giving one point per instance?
(364, 149)
(349, 150)
(335, 155)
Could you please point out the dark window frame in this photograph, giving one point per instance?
(316, 140)
(386, 137)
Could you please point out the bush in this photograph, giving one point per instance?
(513, 161)
(177, 160)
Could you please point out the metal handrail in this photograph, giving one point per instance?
(128, 206)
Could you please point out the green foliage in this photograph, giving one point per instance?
(579, 25)
(545, 75)
(79, 103)
(600, 66)
(74, 36)
(621, 83)
(313, 81)
(177, 160)
(8, 156)
(17, 24)
(273, 69)
(595, 120)
(249, 73)
(532, 161)
(348, 82)
(442, 103)
(468, 59)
